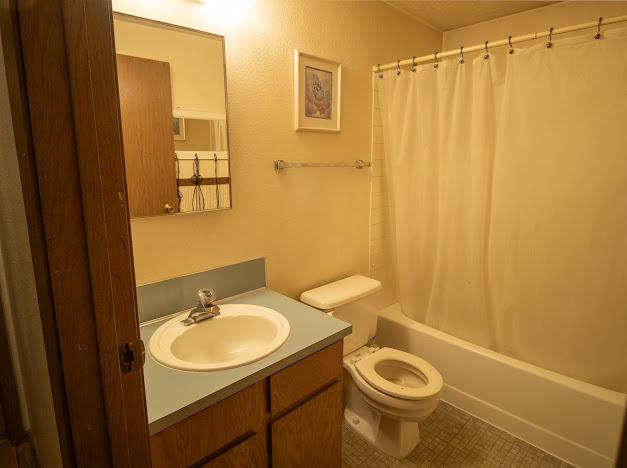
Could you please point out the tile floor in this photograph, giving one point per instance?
(450, 438)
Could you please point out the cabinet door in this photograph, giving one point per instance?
(311, 434)
(247, 454)
(209, 431)
(305, 378)
(146, 111)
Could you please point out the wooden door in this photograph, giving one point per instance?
(146, 111)
(65, 110)
(311, 434)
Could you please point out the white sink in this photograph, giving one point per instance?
(241, 334)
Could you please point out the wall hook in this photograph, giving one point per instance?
(550, 43)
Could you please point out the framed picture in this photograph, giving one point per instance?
(178, 128)
(317, 86)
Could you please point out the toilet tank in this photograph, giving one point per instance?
(345, 300)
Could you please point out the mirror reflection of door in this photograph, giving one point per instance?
(146, 111)
(173, 105)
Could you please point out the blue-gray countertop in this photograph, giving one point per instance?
(173, 395)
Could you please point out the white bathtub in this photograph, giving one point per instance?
(573, 420)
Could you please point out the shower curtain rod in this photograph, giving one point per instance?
(511, 40)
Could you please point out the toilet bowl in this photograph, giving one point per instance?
(387, 392)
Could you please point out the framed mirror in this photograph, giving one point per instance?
(172, 88)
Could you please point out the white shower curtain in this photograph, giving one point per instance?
(508, 186)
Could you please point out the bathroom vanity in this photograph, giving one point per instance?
(292, 418)
(283, 410)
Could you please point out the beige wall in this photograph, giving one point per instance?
(196, 61)
(312, 224)
(202, 135)
(540, 19)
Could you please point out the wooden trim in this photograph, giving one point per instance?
(44, 54)
(9, 400)
(92, 66)
(204, 181)
(12, 49)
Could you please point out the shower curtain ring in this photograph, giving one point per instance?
(486, 55)
(511, 49)
(550, 44)
(461, 51)
(413, 64)
(380, 72)
(598, 34)
(398, 67)
(435, 56)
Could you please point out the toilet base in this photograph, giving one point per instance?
(395, 437)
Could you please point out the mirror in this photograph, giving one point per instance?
(172, 88)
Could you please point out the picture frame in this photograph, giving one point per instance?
(317, 93)
(178, 128)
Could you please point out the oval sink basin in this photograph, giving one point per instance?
(241, 334)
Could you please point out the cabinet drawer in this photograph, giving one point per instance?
(310, 436)
(305, 378)
(209, 430)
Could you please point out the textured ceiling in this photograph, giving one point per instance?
(446, 15)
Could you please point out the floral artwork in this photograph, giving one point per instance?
(318, 93)
(178, 128)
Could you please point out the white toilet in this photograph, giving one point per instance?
(387, 392)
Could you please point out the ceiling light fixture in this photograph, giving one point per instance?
(226, 10)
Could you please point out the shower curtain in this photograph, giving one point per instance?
(508, 185)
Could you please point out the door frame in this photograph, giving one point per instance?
(64, 101)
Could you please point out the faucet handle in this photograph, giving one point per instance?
(206, 297)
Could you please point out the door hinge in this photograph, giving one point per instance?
(132, 356)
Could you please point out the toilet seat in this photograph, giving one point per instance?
(403, 362)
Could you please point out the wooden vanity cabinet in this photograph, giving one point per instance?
(306, 411)
(291, 419)
(212, 431)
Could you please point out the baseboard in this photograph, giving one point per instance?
(567, 450)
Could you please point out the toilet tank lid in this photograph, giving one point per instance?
(340, 292)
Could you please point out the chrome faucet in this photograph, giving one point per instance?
(205, 309)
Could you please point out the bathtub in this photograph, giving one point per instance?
(573, 420)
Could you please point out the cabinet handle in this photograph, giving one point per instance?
(168, 208)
